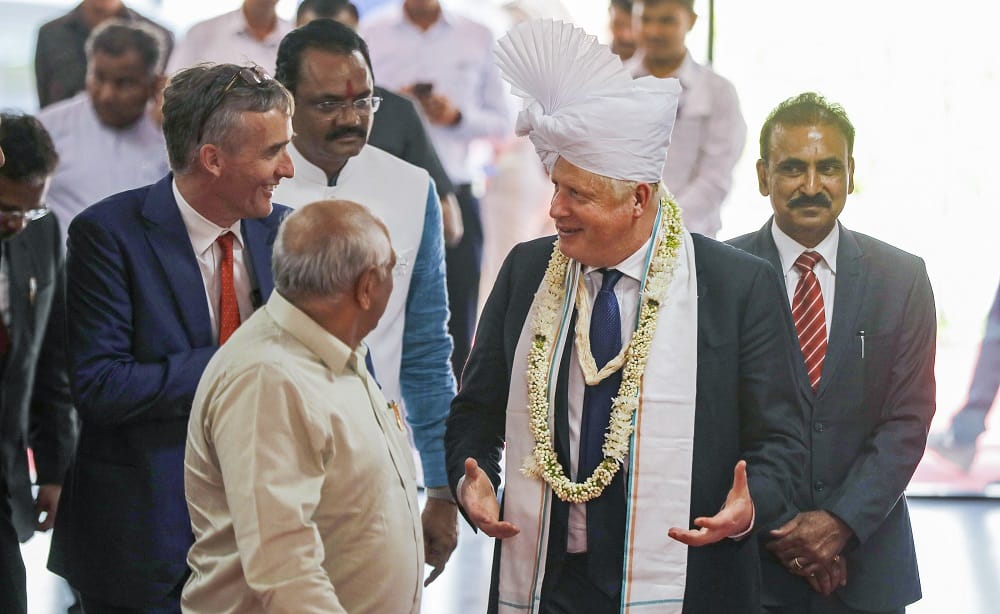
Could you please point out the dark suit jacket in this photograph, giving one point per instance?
(868, 421)
(747, 407)
(398, 129)
(35, 405)
(140, 337)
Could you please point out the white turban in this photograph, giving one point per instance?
(582, 104)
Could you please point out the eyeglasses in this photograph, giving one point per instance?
(252, 76)
(361, 105)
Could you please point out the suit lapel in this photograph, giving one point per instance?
(168, 238)
(765, 248)
(258, 237)
(851, 273)
(22, 280)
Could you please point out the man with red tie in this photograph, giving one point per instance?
(159, 277)
(864, 314)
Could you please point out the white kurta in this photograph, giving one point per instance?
(396, 192)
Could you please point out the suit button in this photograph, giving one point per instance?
(819, 427)
(820, 485)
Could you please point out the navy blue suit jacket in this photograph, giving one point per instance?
(746, 407)
(868, 420)
(140, 336)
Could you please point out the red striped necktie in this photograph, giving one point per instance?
(810, 316)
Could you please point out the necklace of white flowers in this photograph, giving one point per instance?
(543, 461)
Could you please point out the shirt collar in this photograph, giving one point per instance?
(202, 231)
(686, 73)
(634, 266)
(401, 20)
(789, 249)
(240, 27)
(309, 172)
(331, 351)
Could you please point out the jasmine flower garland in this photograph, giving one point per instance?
(543, 462)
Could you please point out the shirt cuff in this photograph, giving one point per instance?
(440, 492)
(753, 519)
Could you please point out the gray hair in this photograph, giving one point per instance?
(324, 247)
(205, 103)
(116, 37)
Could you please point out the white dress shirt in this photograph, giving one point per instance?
(96, 161)
(706, 143)
(633, 269)
(228, 39)
(203, 234)
(826, 269)
(456, 55)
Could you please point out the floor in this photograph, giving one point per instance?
(958, 545)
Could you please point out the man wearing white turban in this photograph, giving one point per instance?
(637, 377)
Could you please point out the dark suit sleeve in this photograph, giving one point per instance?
(477, 423)
(771, 412)
(880, 473)
(52, 433)
(111, 386)
(43, 72)
(419, 151)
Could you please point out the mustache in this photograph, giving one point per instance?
(815, 200)
(337, 133)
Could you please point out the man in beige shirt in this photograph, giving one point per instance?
(298, 474)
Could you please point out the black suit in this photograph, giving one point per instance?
(746, 408)
(35, 405)
(868, 420)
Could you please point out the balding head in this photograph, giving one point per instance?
(323, 248)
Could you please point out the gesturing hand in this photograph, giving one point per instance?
(734, 517)
(480, 503)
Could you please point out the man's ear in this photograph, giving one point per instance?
(850, 175)
(762, 184)
(642, 197)
(365, 287)
(210, 156)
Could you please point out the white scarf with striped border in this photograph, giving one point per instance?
(659, 469)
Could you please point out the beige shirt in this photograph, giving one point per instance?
(298, 478)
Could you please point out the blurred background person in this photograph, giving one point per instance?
(60, 59)
(249, 34)
(620, 23)
(110, 123)
(958, 443)
(710, 132)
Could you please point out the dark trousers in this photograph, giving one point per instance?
(169, 604)
(463, 263)
(574, 593)
(13, 591)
